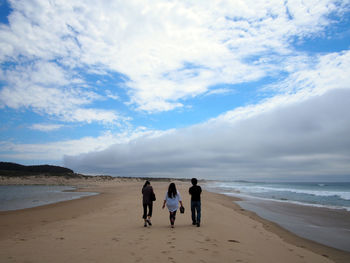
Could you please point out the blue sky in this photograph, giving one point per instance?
(216, 89)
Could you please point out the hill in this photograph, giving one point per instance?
(14, 169)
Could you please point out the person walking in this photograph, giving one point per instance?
(172, 199)
(148, 197)
(195, 192)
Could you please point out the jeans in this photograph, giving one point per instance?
(196, 207)
(150, 208)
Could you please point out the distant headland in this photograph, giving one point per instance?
(15, 169)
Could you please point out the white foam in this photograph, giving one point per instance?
(245, 196)
(345, 195)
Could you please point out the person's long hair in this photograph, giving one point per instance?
(172, 192)
(146, 183)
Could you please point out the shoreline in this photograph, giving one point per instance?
(14, 224)
(290, 237)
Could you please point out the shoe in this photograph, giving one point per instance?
(149, 222)
(198, 224)
(145, 225)
(194, 223)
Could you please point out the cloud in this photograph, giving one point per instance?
(47, 88)
(294, 141)
(169, 50)
(56, 150)
(327, 72)
(167, 53)
(46, 127)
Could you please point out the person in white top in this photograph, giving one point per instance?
(172, 199)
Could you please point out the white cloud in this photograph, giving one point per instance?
(55, 151)
(331, 71)
(169, 50)
(295, 141)
(45, 127)
(47, 88)
(302, 132)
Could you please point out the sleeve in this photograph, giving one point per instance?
(179, 196)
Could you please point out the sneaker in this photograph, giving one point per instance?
(194, 223)
(198, 224)
(145, 225)
(149, 222)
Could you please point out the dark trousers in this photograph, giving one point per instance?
(150, 208)
(196, 208)
(172, 217)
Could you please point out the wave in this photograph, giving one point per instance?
(240, 195)
(256, 189)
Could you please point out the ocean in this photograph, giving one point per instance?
(314, 210)
(15, 197)
(318, 194)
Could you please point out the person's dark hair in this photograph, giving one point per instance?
(146, 183)
(172, 192)
(194, 181)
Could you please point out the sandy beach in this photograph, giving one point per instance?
(109, 228)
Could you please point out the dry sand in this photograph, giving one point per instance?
(109, 228)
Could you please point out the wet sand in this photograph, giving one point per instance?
(109, 228)
(330, 227)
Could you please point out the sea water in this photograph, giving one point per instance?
(319, 194)
(313, 210)
(14, 197)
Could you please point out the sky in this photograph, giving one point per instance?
(233, 90)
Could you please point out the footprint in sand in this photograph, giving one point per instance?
(233, 241)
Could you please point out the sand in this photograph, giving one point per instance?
(109, 228)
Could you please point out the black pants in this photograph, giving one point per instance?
(172, 217)
(150, 209)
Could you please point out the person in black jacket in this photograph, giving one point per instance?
(195, 192)
(147, 201)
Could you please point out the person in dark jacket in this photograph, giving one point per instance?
(195, 192)
(147, 201)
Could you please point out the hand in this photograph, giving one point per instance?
(163, 206)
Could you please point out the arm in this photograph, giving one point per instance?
(181, 203)
(163, 204)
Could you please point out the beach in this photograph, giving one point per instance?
(109, 228)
